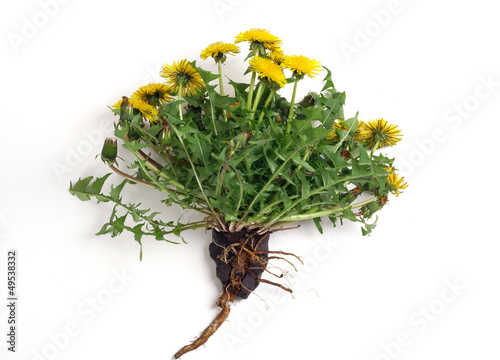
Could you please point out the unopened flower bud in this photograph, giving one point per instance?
(220, 58)
(126, 110)
(166, 134)
(282, 103)
(241, 139)
(307, 101)
(109, 151)
(368, 210)
(257, 48)
(238, 141)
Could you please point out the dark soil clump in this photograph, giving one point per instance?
(225, 250)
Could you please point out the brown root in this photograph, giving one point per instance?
(282, 287)
(240, 258)
(211, 329)
(283, 229)
(280, 253)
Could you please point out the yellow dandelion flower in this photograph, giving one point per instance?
(184, 74)
(336, 126)
(267, 69)
(219, 50)
(380, 133)
(259, 38)
(149, 112)
(153, 94)
(277, 56)
(301, 65)
(396, 181)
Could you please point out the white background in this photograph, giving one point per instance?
(419, 64)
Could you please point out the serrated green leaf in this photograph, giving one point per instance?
(352, 125)
(270, 162)
(207, 76)
(301, 162)
(97, 185)
(134, 145)
(317, 222)
(305, 186)
(369, 227)
(115, 191)
(312, 113)
(364, 159)
(80, 188)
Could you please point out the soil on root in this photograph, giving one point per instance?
(240, 260)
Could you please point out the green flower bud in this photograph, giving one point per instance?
(307, 101)
(368, 210)
(126, 110)
(257, 48)
(109, 151)
(238, 141)
(241, 139)
(220, 58)
(282, 103)
(166, 134)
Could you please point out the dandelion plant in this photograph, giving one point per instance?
(251, 161)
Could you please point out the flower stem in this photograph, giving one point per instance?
(155, 167)
(375, 148)
(179, 97)
(292, 107)
(258, 95)
(221, 87)
(265, 105)
(131, 178)
(250, 91)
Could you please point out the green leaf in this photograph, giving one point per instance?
(239, 87)
(80, 188)
(328, 81)
(207, 76)
(286, 199)
(115, 191)
(369, 227)
(270, 162)
(305, 187)
(312, 113)
(299, 161)
(317, 222)
(222, 102)
(97, 185)
(352, 124)
(137, 230)
(364, 159)
(379, 171)
(134, 145)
